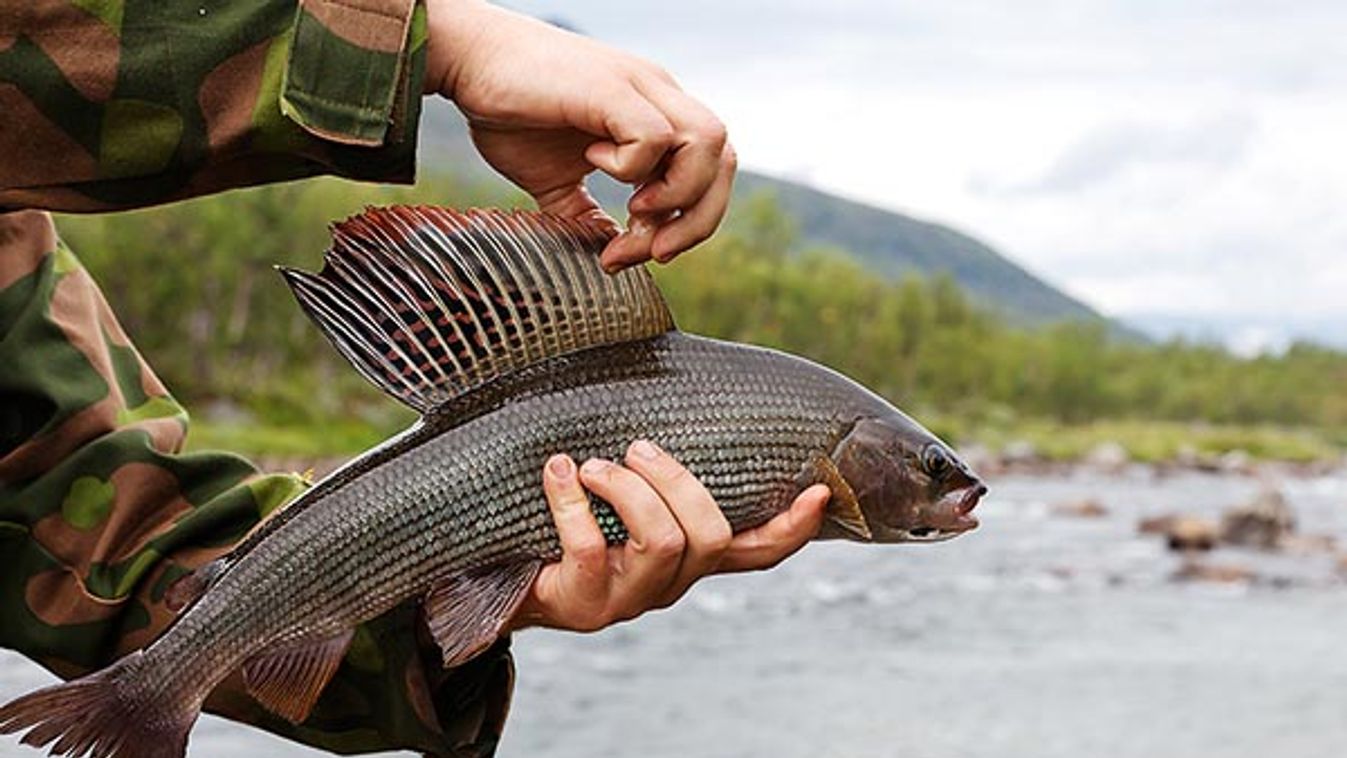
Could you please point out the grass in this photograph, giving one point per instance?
(1154, 441)
(340, 438)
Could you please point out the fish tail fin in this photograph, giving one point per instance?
(100, 715)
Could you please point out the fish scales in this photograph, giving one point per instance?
(474, 486)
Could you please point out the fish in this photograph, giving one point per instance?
(503, 332)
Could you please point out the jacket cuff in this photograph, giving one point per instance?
(353, 74)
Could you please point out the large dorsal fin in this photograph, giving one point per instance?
(428, 302)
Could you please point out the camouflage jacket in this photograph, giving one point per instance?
(106, 104)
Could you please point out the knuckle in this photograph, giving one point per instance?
(667, 543)
(730, 158)
(717, 541)
(713, 132)
(589, 548)
(661, 135)
(628, 172)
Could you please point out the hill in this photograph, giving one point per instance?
(887, 242)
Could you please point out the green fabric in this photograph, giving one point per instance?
(336, 87)
(125, 104)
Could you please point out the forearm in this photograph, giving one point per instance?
(162, 101)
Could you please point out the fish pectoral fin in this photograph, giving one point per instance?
(288, 681)
(467, 612)
(188, 588)
(844, 510)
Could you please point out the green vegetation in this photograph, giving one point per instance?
(194, 287)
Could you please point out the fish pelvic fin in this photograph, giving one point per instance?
(468, 612)
(99, 715)
(428, 303)
(288, 681)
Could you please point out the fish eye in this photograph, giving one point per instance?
(935, 461)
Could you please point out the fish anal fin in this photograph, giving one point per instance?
(467, 612)
(844, 509)
(428, 303)
(288, 681)
(189, 588)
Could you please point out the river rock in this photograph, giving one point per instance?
(1020, 451)
(1191, 533)
(1307, 544)
(1236, 462)
(1109, 457)
(1223, 573)
(1155, 524)
(1084, 508)
(1264, 522)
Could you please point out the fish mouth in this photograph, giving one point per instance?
(954, 512)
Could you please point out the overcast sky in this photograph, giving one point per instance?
(1149, 156)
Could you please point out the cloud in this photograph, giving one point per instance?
(1217, 143)
(1180, 156)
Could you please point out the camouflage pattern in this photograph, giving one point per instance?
(100, 510)
(108, 104)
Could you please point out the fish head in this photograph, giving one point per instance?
(907, 485)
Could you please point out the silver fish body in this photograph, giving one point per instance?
(458, 494)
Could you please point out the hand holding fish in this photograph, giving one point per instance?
(678, 535)
(547, 107)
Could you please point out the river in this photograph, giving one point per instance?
(1038, 635)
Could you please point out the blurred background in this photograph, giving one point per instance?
(1098, 245)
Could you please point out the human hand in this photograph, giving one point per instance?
(546, 107)
(677, 535)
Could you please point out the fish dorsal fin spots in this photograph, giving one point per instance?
(467, 612)
(289, 680)
(429, 303)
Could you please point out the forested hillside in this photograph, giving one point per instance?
(194, 286)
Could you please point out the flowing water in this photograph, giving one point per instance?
(1037, 636)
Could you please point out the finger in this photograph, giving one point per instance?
(582, 580)
(640, 136)
(776, 540)
(695, 157)
(649, 560)
(697, 223)
(574, 201)
(632, 246)
(705, 529)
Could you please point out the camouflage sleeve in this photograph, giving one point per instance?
(106, 104)
(100, 510)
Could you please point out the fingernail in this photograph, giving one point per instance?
(595, 466)
(644, 449)
(560, 466)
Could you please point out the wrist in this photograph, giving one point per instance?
(453, 31)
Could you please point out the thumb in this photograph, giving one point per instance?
(767, 545)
